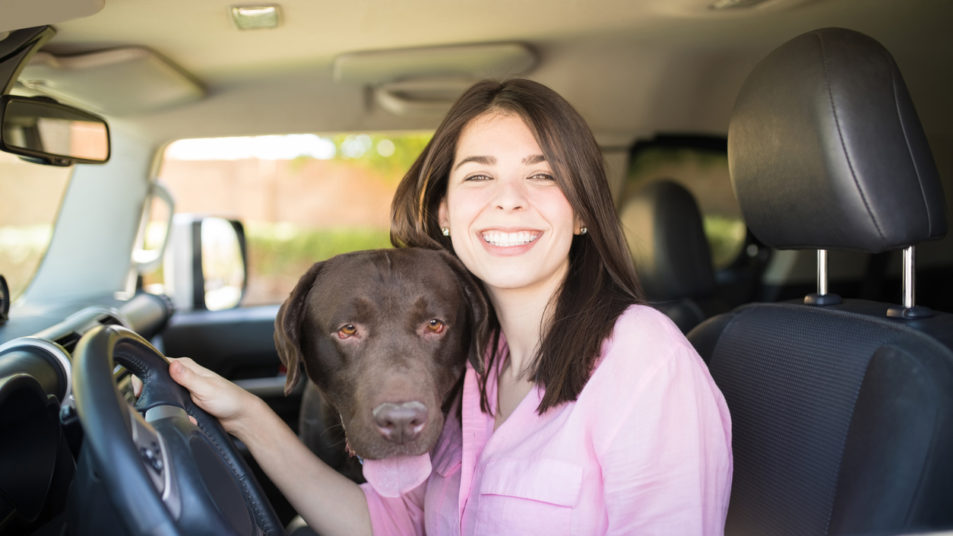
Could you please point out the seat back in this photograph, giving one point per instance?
(663, 227)
(842, 410)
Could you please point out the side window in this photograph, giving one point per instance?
(302, 198)
(701, 165)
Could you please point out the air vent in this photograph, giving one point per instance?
(109, 320)
(68, 341)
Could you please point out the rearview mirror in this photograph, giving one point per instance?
(48, 132)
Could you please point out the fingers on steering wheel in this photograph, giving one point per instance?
(183, 371)
(193, 377)
(136, 385)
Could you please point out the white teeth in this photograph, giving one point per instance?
(501, 239)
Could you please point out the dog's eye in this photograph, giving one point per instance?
(436, 325)
(347, 330)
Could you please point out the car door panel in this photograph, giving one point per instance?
(239, 345)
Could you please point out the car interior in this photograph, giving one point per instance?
(782, 169)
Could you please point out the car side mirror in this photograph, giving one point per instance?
(48, 132)
(205, 263)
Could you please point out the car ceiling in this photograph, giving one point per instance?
(632, 67)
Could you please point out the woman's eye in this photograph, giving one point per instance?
(543, 177)
(347, 330)
(435, 325)
(476, 178)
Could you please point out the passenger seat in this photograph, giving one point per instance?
(842, 410)
(663, 227)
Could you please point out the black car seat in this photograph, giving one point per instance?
(663, 227)
(842, 410)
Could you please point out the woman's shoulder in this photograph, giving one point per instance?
(644, 342)
(648, 363)
(644, 325)
(643, 313)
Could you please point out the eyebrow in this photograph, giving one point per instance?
(485, 160)
(490, 160)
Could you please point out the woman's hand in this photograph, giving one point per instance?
(232, 405)
(331, 503)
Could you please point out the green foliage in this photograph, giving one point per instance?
(390, 155)
(726, 236)
(288, 249)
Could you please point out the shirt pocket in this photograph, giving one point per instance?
(534, 496)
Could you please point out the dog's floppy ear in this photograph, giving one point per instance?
(479, 310)
(288, 326)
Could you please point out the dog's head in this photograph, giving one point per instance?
(384, 335)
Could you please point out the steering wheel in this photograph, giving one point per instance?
(164, 474)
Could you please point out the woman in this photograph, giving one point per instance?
(593, 414)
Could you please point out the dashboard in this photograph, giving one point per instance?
(40, 432)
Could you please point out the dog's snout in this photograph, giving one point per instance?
(400, 423)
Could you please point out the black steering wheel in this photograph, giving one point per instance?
(163, 474)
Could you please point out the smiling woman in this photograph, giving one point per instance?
(571, 421)
(301, 132)
(495, 244)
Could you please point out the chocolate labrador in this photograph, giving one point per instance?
(383, 335)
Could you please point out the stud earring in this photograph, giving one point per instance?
(445, 231)
(583, 230)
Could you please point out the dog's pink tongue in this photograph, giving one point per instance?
(392, 477)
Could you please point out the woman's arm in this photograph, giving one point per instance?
(668, 469)
(328, 501)
(665, 448)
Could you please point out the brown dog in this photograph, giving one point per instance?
(384, 336)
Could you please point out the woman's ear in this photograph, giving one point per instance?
(578, 226)
(443, 218)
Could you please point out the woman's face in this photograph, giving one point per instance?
(509, 222)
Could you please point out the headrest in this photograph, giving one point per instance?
(826, 151)
(663, 227)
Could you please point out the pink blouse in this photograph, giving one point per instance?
(645, 449)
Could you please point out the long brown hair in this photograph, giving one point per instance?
(601, 282)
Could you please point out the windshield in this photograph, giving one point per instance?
(31, 195)
(302, 197)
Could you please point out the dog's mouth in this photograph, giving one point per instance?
(384, 451)
(392, 477)
(370, 444)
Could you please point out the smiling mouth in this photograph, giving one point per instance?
(501, 239)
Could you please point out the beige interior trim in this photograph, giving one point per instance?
(150, 82)
(29, 13)
(492, 60)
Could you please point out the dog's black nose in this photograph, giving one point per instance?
(400, 423)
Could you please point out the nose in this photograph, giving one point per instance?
(510, 194)
(400, 423)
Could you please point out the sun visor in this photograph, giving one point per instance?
(28, 13)
(477, 61)
(424, 81)
(149, 81)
